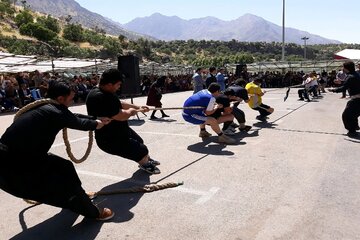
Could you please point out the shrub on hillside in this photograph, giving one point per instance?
(38, 31)
(23, 18)
(49, 23)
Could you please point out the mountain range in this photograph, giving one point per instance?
(249, 28)
(64, 8)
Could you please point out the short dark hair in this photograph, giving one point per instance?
(229, 92)
(240, 82)
(349, 65)
(211, 69)
(214, 87)
(112, 76)
(59, 88)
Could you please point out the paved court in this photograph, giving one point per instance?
(295, 177)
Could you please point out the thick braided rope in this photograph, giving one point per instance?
(65, 135)
(68, 147)
(145, 189)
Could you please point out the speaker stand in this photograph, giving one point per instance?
(137, 115)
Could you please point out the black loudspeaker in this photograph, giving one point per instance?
(240, 68)
(129, 67)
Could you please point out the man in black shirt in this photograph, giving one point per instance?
(238, 93)
(29, 171)
(352, 110)
(117, 137)
(224, 102)
(211, 77)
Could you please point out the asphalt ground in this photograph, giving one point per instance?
(295, 177)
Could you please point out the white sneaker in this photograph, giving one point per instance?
(228, 132)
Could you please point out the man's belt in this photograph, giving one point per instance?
(3, 147)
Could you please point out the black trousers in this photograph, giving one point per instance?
(351, 114)
(50, 180)
(130, 146)
(263, 110)
(239, 115)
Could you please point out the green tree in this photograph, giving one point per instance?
(5, 8)
(50, 23)
(38, 31)
(73, 32)
(23, 18)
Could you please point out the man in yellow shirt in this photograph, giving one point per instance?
(255, 92)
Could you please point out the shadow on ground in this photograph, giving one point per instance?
(61, 226)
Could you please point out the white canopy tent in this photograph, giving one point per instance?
(348, 54)
(11, 63)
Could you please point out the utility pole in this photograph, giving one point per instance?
(305, 39)
(283, 34)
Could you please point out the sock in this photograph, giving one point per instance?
(242, 125)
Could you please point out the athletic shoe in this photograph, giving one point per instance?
(261, 118)
(245, 129)
(150, 168)
(105, 214)
(204, 134)
(353, 134)
(228, 132)
(154, 162)
(226, 139)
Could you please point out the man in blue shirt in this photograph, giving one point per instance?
(201, 116)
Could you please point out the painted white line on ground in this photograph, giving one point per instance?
(169, 134)
(204, 195)
(100, 175)
(208, 196)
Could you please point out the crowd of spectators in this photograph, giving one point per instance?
(17, 90)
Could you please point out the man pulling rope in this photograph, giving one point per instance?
(28, 171)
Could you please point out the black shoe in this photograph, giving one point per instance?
(245, 129)
(154, 162)
(153, 118)
(353, 134)
(300, 99)
(261, 118)
(164, 116)
(150, 168)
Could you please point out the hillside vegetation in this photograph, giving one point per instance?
(23, 31)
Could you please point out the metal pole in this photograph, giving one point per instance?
(304, 38)
(283, 33)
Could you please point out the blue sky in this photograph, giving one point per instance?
(332, 19)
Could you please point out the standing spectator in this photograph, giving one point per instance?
(211, 77)
(340, 78)
(198, 81)
(220, 78)
(155, 95)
